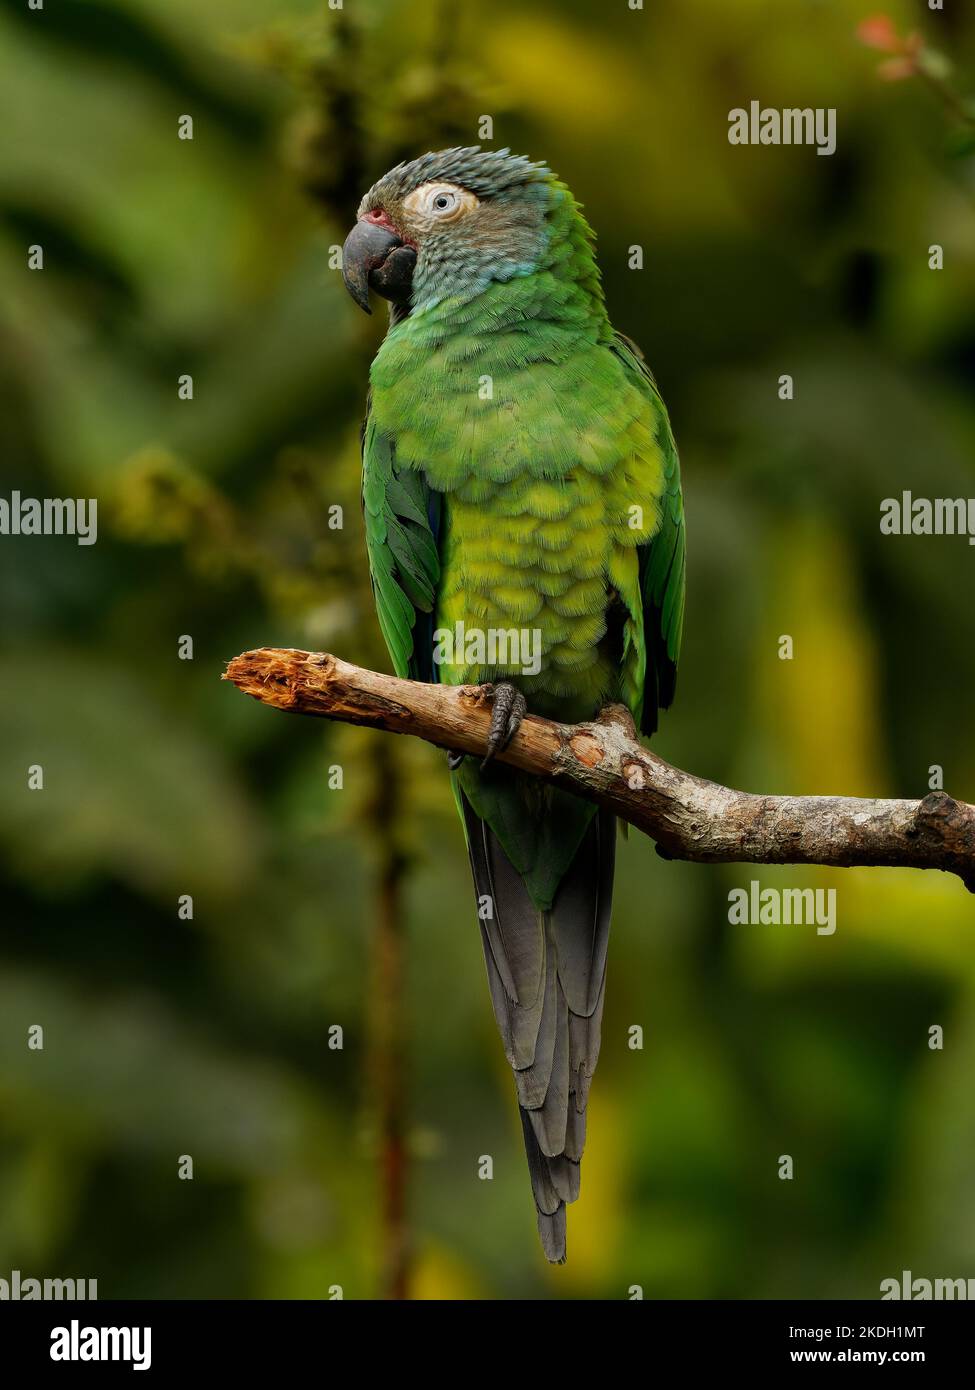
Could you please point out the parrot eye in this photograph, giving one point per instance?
(440, 202)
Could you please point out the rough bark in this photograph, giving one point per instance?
(688, 817)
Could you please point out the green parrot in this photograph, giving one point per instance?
(521, 494)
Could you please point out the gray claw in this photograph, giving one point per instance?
(507, 711)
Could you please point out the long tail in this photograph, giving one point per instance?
(547, 974)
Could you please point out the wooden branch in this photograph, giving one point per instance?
(603, 761)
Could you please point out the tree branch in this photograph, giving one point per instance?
(603, 761)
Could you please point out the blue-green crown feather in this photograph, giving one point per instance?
(488, 173)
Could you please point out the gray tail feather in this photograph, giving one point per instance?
(547, 975)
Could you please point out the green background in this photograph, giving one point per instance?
(209, 1037)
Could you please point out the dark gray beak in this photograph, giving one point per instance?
(374, 257)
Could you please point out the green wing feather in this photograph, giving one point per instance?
(662, 560)
(401, 516)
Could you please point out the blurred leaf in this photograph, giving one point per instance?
(113, 34)
(121, 1071)
(130, 787)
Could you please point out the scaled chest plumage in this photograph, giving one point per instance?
(545, 454)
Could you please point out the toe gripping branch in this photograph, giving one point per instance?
(508, 709)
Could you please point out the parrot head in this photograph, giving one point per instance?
(448, 224)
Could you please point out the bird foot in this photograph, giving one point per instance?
(508, 709)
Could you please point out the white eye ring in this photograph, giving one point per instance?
(440, 202)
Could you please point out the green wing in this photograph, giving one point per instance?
(662, 560)
(402, 521)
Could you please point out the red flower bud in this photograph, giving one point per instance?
(878, 32)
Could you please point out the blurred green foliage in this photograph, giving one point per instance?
(209, 1037)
